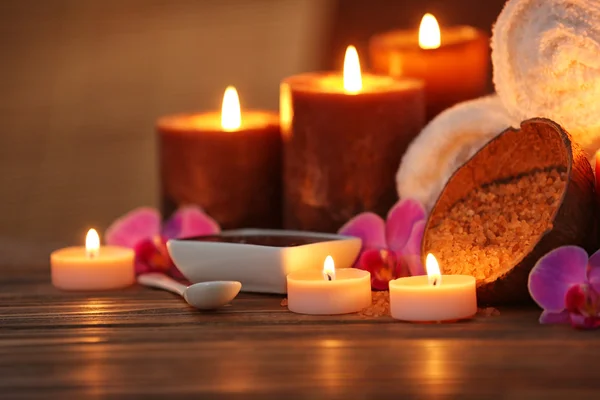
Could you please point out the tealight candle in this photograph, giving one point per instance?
(344, 135)
(92, 267)
(453, 62)
(330, 292)
(432, 298)
(227, 162)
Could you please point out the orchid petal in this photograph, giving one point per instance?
(412, 251)
(368, 260)
(141, 268)
(594, 271)
(153, 253)
(584, 322)
(400, 221)
(554, 274)
(576, 298)
(139, 224)
(175, 273)
(190, 221)
(402, 270)
(382, 266)
(369, 227)
(548, 317)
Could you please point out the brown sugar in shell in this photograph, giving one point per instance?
(482, 234)
(525, 193)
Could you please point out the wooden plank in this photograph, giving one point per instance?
(149, 343)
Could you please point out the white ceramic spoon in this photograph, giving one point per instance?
(203, 296)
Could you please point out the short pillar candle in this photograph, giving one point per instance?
(433, 298)
(331, 292)
(228, 163)
(344, 137)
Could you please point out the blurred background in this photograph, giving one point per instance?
(82, 83)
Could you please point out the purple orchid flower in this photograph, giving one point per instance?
(141, 230)
(567, 286)
(390, 249)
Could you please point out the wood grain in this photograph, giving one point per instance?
(142, 342)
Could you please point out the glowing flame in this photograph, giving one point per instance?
(92, 243)
(329, 269)
(433, 270)
(231, 113)
(429, 33)
(352, 75)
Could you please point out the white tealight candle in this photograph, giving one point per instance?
(431, 298)
(330, 292)
(92, 267)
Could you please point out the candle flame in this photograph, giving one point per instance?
(433, 270)
(430, 36)
(231, 113)
(92, 243)
(329, 269)
(352, 75)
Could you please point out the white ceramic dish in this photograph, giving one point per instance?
(260, 268)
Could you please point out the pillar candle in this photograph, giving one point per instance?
(344, 137)
(454, 63)
(228, 163)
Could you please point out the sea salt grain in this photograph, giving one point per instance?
(380, 305)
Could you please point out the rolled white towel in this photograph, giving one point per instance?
(446, 143)
(546, 58)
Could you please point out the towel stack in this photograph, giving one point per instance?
(546, 59)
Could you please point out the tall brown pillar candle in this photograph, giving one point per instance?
(454, 63)
(344, 137)
(229, 164)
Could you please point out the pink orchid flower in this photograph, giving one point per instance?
(567, 286)
(390, 249)
(141, 230)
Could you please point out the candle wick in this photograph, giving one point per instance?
(92, 254)
(328, 277)
(435, 281)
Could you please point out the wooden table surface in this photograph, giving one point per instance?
(142, 342)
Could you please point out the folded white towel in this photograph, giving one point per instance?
(446, 143)
(546, 63)
(546, 59)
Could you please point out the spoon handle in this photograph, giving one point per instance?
(161, 281)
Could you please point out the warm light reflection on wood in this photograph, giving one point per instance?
(94, 373)
(435, 360)
(440, 366)
(95, 307)
(331, 366)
